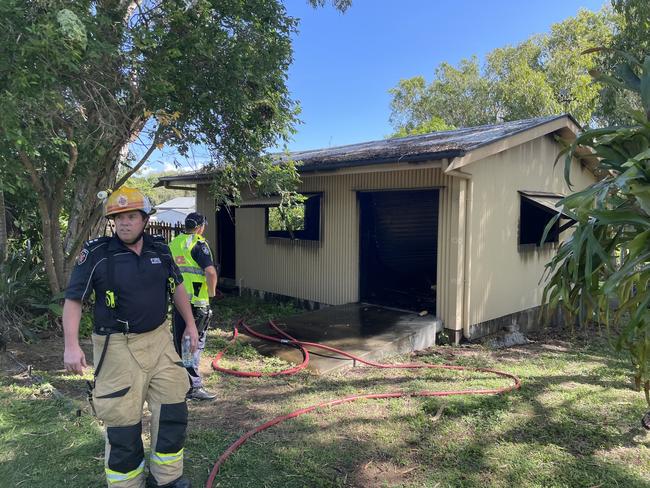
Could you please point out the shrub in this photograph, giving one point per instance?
(22, 288)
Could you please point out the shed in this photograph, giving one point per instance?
(448, 222)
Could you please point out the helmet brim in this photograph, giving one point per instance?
(113, 214)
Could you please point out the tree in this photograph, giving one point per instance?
(631, 36)
(518, 83)
(3, 226)
(543, 75)
(435, 124)
(601, 272)
(81, 80)
(458, 96)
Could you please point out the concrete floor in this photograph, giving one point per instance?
(367, 331)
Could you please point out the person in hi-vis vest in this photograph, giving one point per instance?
(193, 257)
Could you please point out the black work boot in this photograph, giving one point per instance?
(181, 482)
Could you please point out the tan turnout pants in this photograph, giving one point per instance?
(139, 367)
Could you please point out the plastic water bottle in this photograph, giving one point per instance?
(188, 359)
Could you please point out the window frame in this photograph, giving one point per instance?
(313, 218)
(553, 237)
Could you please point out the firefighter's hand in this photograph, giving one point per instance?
(190, 330)
(74, 359)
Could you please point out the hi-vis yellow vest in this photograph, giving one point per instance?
(181, 247)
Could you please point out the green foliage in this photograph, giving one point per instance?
(341, 5)
(543, 75)
(265, 177)
(602, 272)
(435, 124)
(80, 80)
(631, 36)
(21, 290)
(457, 96)
(157, 195)
(292, 218)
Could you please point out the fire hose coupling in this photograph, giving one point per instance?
(284, 341)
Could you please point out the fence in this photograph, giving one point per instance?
(168, 231)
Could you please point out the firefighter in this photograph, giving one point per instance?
(132, 275)
(194, 259)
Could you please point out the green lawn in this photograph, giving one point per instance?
(574, 423)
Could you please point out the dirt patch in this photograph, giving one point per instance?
(47, 353)
(382, 473)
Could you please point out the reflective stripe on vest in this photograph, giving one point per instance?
(166, 458)
(181, 247)
(188, 269)
(116, 476)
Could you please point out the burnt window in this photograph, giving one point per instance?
(534, 215)
(304, 221)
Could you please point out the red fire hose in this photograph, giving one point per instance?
(288, 340)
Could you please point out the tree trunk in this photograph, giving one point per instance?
(48, 255)
(3, 227)
(86, 214)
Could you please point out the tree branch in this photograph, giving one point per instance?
(143, 160)
(29, 166)
(59, 186)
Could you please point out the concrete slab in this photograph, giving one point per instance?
(368, 331)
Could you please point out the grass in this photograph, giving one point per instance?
(574, 423)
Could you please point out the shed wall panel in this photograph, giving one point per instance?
(327, 271)
(504, 277)
(205, 206)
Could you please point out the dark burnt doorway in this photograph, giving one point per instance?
(226, 241)
(399, 248)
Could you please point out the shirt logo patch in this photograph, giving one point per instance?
(180, 259)
(155, 260)
(206, 250)
(83, 255)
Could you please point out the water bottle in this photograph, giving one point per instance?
(188, 359)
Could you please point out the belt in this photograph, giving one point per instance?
(121, 326)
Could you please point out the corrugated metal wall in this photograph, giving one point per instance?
(497, 276)
(327, 271)
(205, 205)
(504, 277)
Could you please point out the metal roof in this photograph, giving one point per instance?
(178, 203)
(412, 149)
(432, 146)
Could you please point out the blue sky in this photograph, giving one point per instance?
(344, 64)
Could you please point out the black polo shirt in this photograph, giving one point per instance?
(140, 282)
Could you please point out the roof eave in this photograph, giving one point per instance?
(409, 159)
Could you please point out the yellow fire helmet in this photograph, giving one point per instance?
(127, 199)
